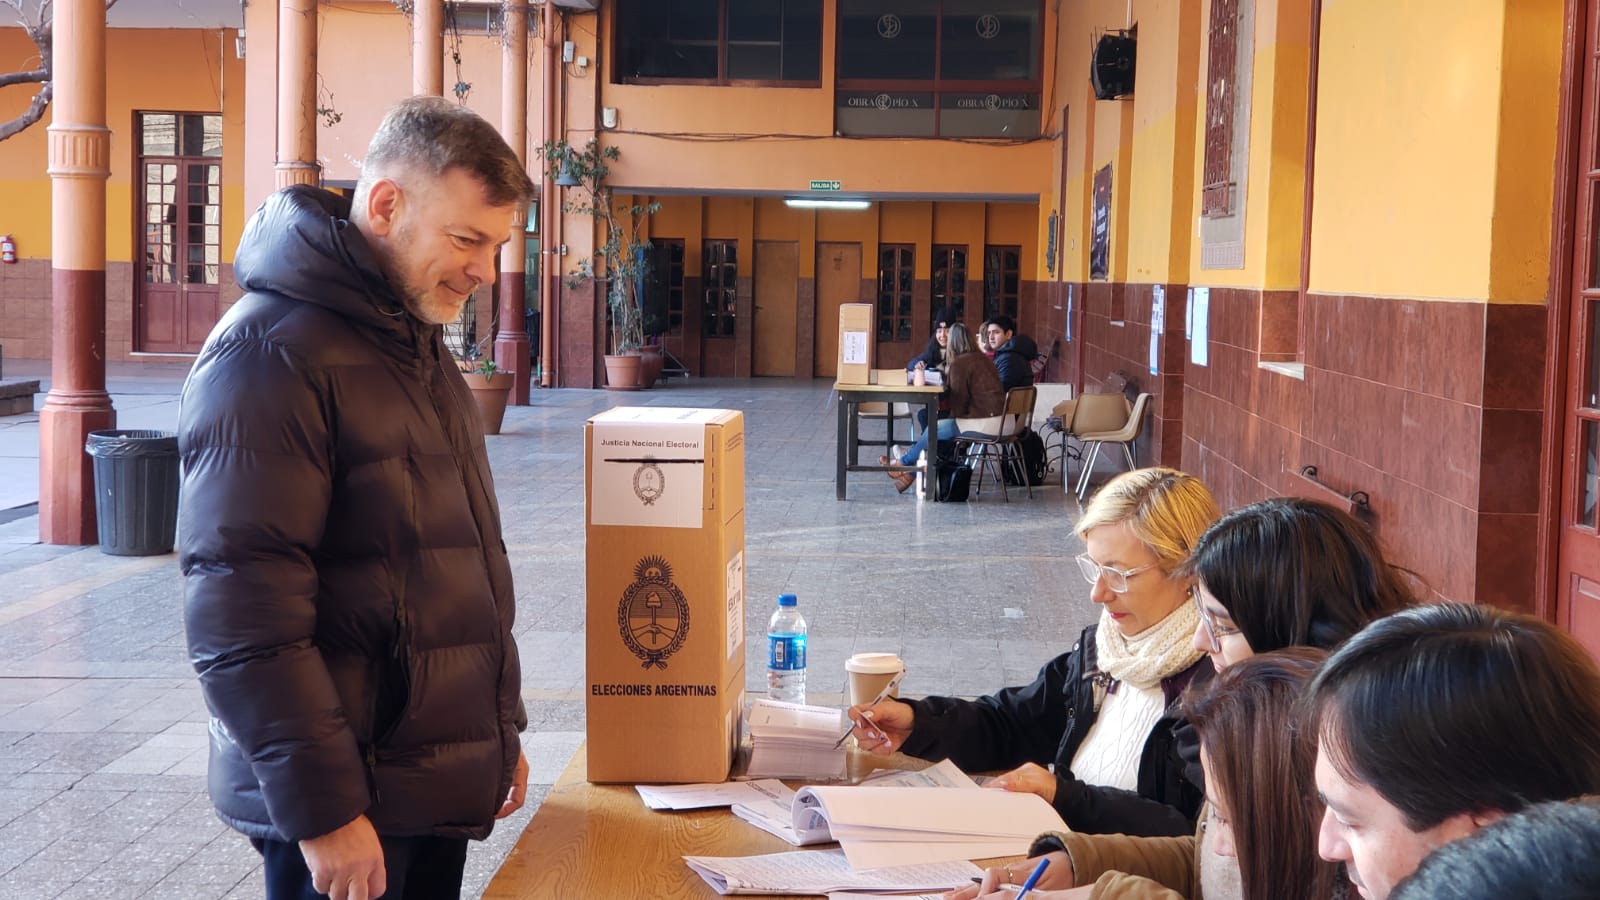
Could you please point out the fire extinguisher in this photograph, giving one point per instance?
(8, 249)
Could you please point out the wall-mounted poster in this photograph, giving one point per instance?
(1100, 236)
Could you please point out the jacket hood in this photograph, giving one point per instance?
(300, 244)
(1020, 343)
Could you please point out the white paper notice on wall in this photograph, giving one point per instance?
(1188, 315)
(1158, 324)
(855, 347)
(649, 467)
(735, 603)
(1199, 351)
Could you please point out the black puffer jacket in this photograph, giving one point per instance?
(1046, 721)
(1014, 360)
(348, 597)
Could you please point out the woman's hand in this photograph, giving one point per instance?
(882, 727)
(922, 364)
(1029, 778)
(1058, 876)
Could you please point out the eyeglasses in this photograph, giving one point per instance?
(1215, 631)
(1116, 580)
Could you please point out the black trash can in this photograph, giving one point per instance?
(135, 491)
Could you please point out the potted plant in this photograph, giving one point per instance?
(621, 254)
(490, 384)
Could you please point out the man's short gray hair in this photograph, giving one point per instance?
(433, 135)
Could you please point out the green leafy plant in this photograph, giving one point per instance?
(624, 265)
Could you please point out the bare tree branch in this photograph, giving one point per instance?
(35, 77)
(41, 30)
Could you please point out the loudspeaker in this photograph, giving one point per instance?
(1111, 69)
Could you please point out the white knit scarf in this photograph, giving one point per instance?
(1160, 651)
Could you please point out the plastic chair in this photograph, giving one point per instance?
(1089, 414)
(994, 449)
(1125, 436)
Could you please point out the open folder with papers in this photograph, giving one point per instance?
(819, 872)
(934, 815)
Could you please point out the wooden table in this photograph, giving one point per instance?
(851, 396)
(600, 842)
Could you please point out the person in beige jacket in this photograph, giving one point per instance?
(1241, 717)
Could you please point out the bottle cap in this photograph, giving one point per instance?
(787, 600)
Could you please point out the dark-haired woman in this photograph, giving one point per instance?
(974, 390)
(1260, 809)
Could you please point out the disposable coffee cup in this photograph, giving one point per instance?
(869, 672)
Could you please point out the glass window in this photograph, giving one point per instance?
(718, 315)
(895, 280)
(718, 41)
(945, 68)
(949, 282)
(1002, 280)
(160, 134)
(989, 40)
(890, 40)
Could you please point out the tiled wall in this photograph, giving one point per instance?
(1115, 328)
(25, 308)
(1432, 408)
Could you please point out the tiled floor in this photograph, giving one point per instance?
(102, 766)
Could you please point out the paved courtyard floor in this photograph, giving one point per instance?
(102, 728)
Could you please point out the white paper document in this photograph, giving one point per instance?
(822, 871)
(1200, 336)
(855, 347)
(705, 796)
(774, 813)
(879, 826)
(792, 740)
(648, 466)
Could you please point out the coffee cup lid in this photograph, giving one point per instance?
(874, 663)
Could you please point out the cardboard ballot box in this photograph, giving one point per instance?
(665, 565)
(856, 347)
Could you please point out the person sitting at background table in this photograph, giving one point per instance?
(1013, 352)
(1105, 713)
(1328, 579)
(974, 390)
(1549, 851)
(936, 355)
(1258, 804)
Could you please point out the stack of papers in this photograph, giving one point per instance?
(706, 796)
(820, 872)
(773, 810)
(792, 740)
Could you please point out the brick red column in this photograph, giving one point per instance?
(79, 164)
(511, 350)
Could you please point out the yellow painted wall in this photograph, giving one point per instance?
(1519, 264)
(155, 70)
(1160, 178)
(1412, 148)
(853, 227)
(777, 222)
(909, 223)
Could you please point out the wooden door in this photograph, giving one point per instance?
(838, 282)
(1577, 586)
(178, 286)
(777, 297)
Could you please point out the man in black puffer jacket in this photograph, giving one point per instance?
(1013, 353)
(348, 597)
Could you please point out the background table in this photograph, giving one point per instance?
(600, 841)
(851, 396)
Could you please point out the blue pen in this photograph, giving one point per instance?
(1034, 878)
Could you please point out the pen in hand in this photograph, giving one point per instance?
(1044, 863)
(887, 690)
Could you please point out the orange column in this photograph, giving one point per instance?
(550, 209)
(80, 155)
(511, 351)
(297, 94)
(427, 48)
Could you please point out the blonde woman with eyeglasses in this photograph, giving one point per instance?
(1096, 733)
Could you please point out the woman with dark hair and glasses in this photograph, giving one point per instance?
(1284, 572)
(1288, 572)
(1105, 714)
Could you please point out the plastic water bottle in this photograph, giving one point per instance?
(786, 652)
(922, 474)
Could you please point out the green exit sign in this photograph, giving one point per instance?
(826, 185)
